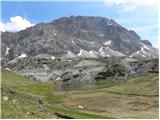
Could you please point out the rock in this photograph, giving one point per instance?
(80, 106)
(25, 84)
(33, 113)
(40, 101)
(42, 110)
(5, 98)
(14, 101)
(28, 113)
(12, 92)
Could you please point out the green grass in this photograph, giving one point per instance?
(27, 93)
(72, 113)
(26, 85)
(146, 85)
(25, 106)
(105, 85)
(100, 100)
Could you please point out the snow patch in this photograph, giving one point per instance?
(73, 42)
(101, 51)
(7, 50)
(86, 54)
(146, 47)
(69, 55)
(19, 57)
(52, 57)
(142, 49)
(22, 56)
(80, 52)
(69, 52)
(138, 52)
(58, 78)
(107, 52)
(108, 42)
(93, 52)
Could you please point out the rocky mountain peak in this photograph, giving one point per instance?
(146, 42)
(76, 34)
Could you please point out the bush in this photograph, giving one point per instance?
(66, 79)
(76, 75)
(99, 77)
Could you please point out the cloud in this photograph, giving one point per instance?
(130, 5)
(16, 23)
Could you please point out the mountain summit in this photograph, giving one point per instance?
(76, 36)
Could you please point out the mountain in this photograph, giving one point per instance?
(76, 36)
(77, 49)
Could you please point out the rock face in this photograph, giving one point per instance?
(76, 36)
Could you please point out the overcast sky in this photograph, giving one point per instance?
(138, 15)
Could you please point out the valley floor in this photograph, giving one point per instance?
(25, 98)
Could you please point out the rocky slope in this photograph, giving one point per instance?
(81, 70)
(76, 36)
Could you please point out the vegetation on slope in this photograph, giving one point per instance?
(146, 85)
(25, 98)
(136, 98)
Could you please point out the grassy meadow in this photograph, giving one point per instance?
(26, 98)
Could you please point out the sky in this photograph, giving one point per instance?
(138, 15)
